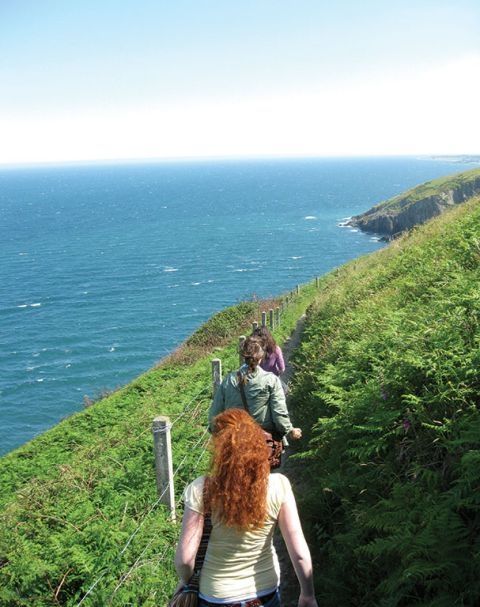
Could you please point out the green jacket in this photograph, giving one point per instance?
(265, 398)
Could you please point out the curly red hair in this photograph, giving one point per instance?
(236, 490)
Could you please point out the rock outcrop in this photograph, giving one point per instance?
(394, 216)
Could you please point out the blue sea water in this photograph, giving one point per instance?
(106, 268)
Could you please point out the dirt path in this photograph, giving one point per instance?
(289, 346)
(289, 585)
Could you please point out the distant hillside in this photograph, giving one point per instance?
(419, 204)
(388, 382)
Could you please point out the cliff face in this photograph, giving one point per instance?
(417, 206)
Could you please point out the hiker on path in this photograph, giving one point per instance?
(245, 502)
(263, 392)
(273, 357)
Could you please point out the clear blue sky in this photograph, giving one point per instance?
(119, 79)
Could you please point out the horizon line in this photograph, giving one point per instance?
(466, 157)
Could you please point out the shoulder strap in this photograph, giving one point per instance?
(242, 391)
(207, 529)
(202, 548)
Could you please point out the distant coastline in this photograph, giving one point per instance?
(391, 218)
(461, 158)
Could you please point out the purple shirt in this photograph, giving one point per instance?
(274, 363)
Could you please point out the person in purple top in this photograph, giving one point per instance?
(273, 360)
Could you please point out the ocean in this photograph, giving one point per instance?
(105, 269)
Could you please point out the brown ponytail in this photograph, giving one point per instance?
(252, 351)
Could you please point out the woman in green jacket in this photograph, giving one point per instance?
(263, 392)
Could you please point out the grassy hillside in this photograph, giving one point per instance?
(442, 185)
(79, 513)
(389, 383)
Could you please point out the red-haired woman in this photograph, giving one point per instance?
(245, 502)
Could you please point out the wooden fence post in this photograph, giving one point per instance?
(241, 339)
(316, 281)
(264, 319)
(270, 313)
(254, 325)
(216, 373)
(298, 289)
(277, 316)
(162, 448)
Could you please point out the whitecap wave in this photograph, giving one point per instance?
(195, 283)
(169, 269)
(35, 305)
(310, 217)
(23, 306)
(297, 257)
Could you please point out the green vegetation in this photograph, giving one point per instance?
(436, 187)
(79, 503)
(388, 381)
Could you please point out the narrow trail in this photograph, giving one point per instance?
(289, 587)
(290, 345)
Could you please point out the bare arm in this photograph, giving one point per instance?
(190, 536)
(298, 551)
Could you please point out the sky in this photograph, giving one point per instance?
(86, 80)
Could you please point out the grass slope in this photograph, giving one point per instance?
(388, 380)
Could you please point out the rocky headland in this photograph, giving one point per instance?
(396, 215)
